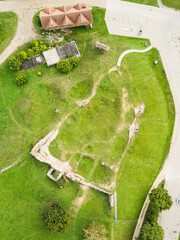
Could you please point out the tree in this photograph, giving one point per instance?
(21, 78)
(152, 213)
(95, 231)
(160, 198)
(56, 217)
(151, 231)
(65, 66)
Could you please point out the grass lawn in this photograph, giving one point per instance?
(27, 114)
(146, 2)
(8, 25)
(172, 3)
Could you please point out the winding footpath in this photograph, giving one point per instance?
(162, 27)
(132, 51)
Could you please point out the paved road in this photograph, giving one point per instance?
(162, 27)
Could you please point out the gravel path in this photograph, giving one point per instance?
(132, 51)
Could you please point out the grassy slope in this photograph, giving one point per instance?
(8, 25)
(28, 113)
(172, 3)
(146, 2)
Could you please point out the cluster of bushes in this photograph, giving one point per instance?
(35, 47)
(15, 62)
(67, 65)
(159, 200)
(56, 218)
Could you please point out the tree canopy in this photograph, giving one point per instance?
(151, 231)
(56, 217)
(160, 198)
(95, 231)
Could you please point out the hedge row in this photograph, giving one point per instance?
(159, 200)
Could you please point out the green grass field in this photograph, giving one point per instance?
(27, 114)
(146, 2)
(172, 3)
(8, 25)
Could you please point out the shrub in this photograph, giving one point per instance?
(30, 53)
(22, 55)
(65, 66)
(14, 63)
(95, 231)
(21, 78)
(151, 231)
(39, 73)
(55, 217)
(75, 61)
(160, 198)
(69, 55)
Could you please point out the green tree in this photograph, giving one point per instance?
(151, 231)
(65, 66)
(95, 231)
(21, 78)
(160, 198)
(56, 217)
(152, 213)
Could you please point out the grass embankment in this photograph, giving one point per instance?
(28, 113)
(8, 25)
(146, 2)
(172, 3)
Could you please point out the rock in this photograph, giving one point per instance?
(56, 111)
(139, 110)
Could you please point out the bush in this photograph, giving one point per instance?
(30, 53)
(160, 198)
(39, 73)
(21, 78)
(151, 231)
(14, 63)
(69, 55)
(65, 66)
(56, 217)
(95, 231)
(75, 61)
(22, 55)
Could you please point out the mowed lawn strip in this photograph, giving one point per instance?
(145, 2)
(172, 3)
(8, 26)
(146, 154)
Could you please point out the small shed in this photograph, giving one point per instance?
(51, 56)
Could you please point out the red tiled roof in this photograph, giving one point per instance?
(66, 16)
